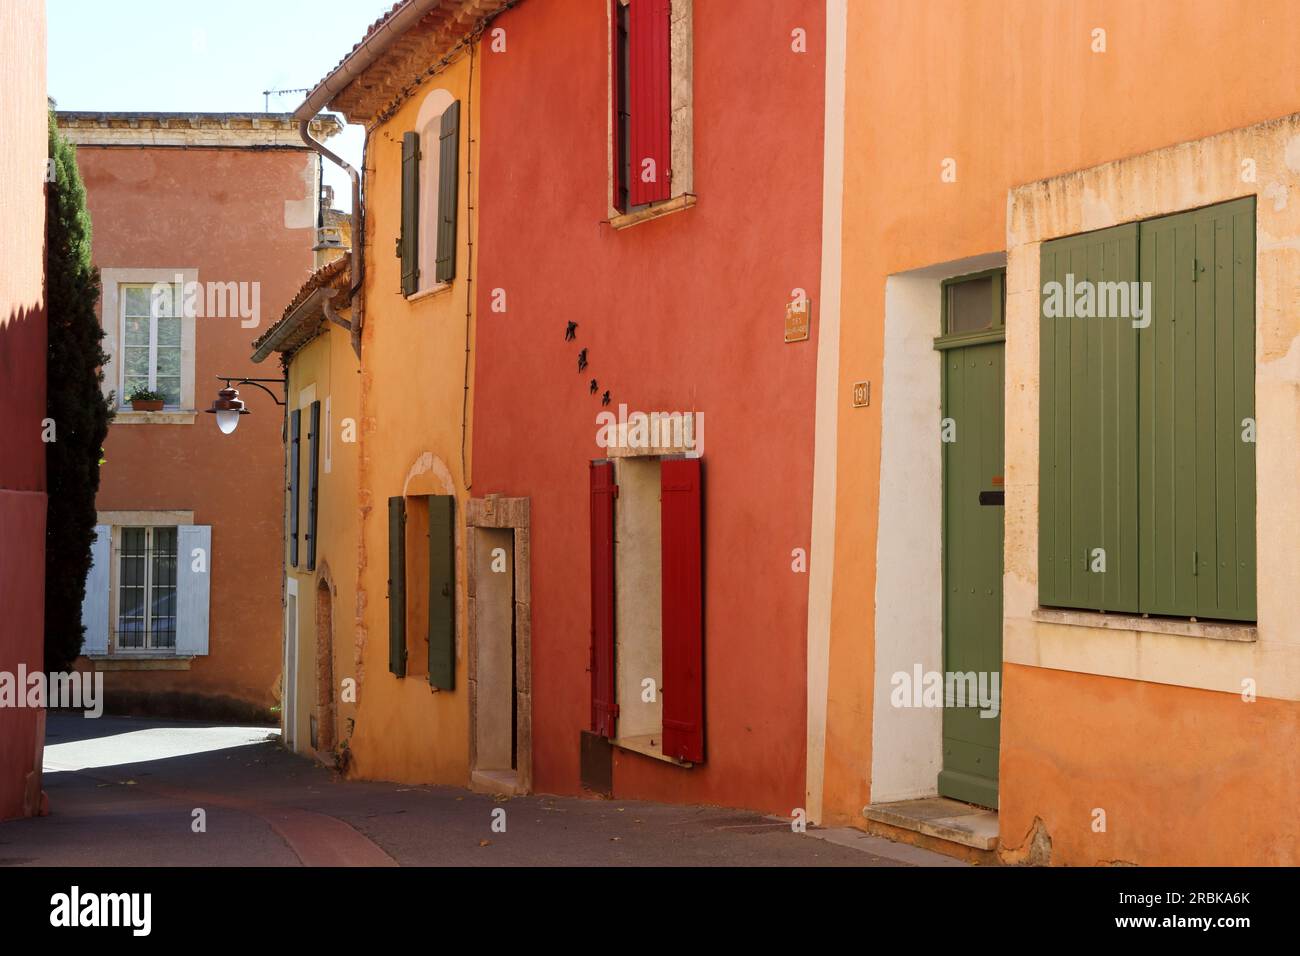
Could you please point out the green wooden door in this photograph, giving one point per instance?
(972, 570)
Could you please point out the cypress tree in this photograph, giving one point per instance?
(75, 403)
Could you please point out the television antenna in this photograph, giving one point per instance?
(267, 94)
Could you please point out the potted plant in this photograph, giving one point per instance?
(146, 400)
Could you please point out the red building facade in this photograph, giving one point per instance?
(22, 392)
(644, 368)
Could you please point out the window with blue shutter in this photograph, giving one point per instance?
(94, 609)
(313, 479)
(193, 588)
(295, 455)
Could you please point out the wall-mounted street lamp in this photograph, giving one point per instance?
(227, 406)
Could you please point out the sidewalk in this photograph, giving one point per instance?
(124, 791)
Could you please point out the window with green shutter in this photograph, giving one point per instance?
(448, 192)
(1196, 488)
(422, 551)
(408, 242)
(397, 585)
(1087, 497)
(1146, 460)
(442, 591)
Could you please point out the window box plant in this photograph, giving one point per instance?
(146, 400)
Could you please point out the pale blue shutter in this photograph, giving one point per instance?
(94, 608)
(193, 567)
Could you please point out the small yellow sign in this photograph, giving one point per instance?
(861, 394)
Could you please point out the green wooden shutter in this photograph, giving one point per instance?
(397, 586)
(408, 243)
(313, 480)
(295, 454)
(1197, 475)
(448, 191)
(1088, 429)
(442, 591)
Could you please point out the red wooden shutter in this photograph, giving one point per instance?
(649, 61)
(603, 492)
(683, 609)
(616, 72)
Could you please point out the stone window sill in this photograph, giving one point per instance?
(1210, 630)
(648, 745)
(667, 207)
(123, 661)
(429, 293)
(182, 416)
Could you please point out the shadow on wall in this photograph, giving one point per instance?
(22, 399)
(172, 705)
(22, 550)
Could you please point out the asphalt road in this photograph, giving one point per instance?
(133, 792)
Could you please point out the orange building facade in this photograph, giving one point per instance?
(1145, 627)
(377, 622)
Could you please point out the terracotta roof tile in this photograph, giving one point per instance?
(333, 274)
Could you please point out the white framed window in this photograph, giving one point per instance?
(428, 124)
(147, 592)
(146, 589)
(151, 341)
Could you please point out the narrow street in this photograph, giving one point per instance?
(125, 791)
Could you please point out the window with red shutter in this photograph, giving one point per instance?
(603, 491)
(642, 51)
(683, 609)
(618, 99)
(647, 661)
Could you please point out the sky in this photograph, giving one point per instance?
(184, 55)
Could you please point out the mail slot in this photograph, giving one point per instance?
(992, 497)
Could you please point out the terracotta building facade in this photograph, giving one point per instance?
(201, 222)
